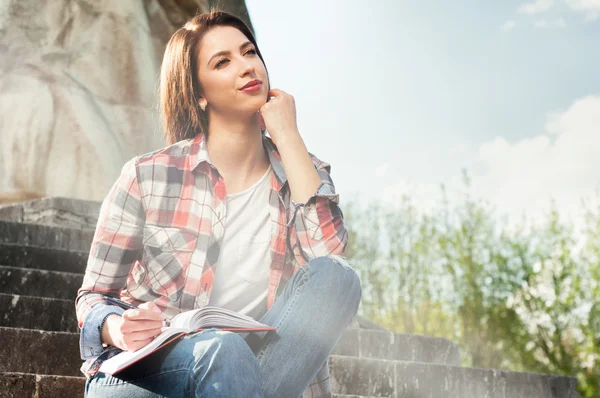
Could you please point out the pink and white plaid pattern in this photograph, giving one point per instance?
(160, 227)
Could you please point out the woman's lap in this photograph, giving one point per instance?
(206, 361)
(311, 313)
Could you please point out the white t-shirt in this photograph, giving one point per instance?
(242, 272)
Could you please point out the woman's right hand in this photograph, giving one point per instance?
(135, 328)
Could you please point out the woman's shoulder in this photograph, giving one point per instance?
(173, 152)
(168, 160)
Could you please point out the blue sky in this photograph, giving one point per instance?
(400, 96)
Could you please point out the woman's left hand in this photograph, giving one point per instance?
(278, 116)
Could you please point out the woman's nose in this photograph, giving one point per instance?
(247, 67)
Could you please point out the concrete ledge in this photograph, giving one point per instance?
(59, 315)
(41, 345)
(37, 313)
(40, 386)
(367, 343)
(402, 379)
(348, 396)
(55, 211)
(20, 385)
(41, 283)
(35, 351)
(20, 234)
(43, 258)
(31, 351)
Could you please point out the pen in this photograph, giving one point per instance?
(120, 303)
(126, 305)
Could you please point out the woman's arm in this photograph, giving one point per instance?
(316, 221)
(115, 247)
(299, 168)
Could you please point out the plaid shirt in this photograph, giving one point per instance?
(159, 233)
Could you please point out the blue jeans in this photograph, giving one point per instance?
(311, 314)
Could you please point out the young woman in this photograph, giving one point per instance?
(223, 216)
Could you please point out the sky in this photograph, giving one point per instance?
(401, 96)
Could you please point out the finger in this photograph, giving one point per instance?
(150, 305)
(147, 305)
(141, 335)
(141, 314)
(275, 92)
(136, 345)
(134, 326)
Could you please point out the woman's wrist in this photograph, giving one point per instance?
(106, 326)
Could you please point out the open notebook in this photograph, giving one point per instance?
(182, 324)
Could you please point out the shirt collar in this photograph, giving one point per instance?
(198, 153)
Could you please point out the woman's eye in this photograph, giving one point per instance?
(221, 62)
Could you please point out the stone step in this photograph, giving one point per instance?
(41, 283)
(52, 237)
(42, 258)
(37, 313)
(41, 352)
(384, 378)
(59, 315)
(355, 377)
(366, 343)
(56, 211)
(348, 396)
(21, 385)
(34, 351)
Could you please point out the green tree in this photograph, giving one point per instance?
(519, 298)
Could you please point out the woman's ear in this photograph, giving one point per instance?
(203, 103)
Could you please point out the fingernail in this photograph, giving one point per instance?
(156, 309)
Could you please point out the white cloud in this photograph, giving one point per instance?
(562, 163)
(590, 8)
(558, 23)
(536, 7)
(382, 169)
(509, 25)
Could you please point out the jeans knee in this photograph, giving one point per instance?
(234, 343)
(225, 347)
(335, 270)
(225, 366)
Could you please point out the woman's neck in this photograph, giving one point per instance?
(236, 150)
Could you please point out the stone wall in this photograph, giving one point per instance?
(77, 90)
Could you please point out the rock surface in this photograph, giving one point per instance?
(77, 90)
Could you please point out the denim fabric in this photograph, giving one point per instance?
(311, 314)
(90, 338)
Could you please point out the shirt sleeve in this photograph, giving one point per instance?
(317, 226)
(90, 339)
(115, 247)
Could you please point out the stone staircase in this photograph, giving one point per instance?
(43, 251)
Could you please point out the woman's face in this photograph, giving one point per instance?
(227, 61)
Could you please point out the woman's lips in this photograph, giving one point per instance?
(252, 88)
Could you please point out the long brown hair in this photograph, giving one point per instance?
(181, 115)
